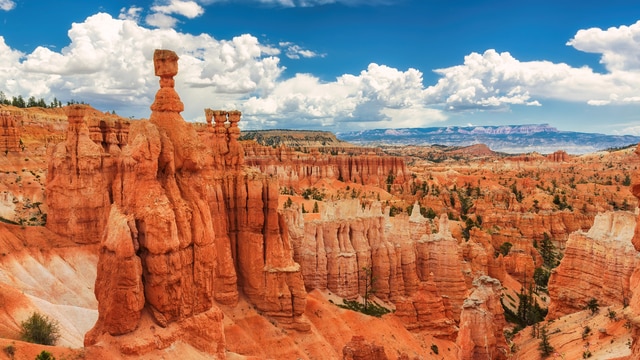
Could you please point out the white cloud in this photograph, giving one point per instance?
(7, 5)
(189, 9)
(293, 51)
(161, 15)
(494, 81)
(378, 97)
(162, 21)
(618, 46)
(108, 64)
(132, 13)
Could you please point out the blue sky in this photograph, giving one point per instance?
(338, 64)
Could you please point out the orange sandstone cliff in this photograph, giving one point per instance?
(185, 224)
(296, 169)
(596, 264)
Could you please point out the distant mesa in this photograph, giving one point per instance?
(511, 139)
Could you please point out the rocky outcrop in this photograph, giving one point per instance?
(186, 224)
(9, 132)
(632, 313)
(78, 194)
(122, 291)
(424, 311)
(359, 349)
(530, 225)
(419, 271)
(596, 264)
(482, 257)
(109, 132)
(482, 322)
(559, 156)
(298, 169)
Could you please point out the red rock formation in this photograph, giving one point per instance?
(174, 258)
(482, 322)
(481, 256)
(425, 311)
(557, 224)
(559, 156)
(298, 170)
(597, 264)
(121, 291)
(635, 190)
(632, 313)
(9, 132)
(420, 272)
(440, 255)
(77, 192)
(359, 349)
(110, 132)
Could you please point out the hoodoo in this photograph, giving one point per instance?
(186, 224)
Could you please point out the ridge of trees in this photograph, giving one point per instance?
(20, 102)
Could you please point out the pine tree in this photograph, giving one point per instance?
(369, 282)
(547, 251)
(545, 347)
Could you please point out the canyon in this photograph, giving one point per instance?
(162, 238)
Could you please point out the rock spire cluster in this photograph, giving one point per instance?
(184, 222)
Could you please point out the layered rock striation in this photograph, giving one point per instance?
(9, 131)
(418, 265)
(297, 170)
(482, 322)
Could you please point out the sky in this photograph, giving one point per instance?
(337, 65)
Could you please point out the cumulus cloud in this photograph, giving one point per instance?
(7, 5)
(162, 13)
(379, 96)
(494, 81)
(132, 13)
(189, 9)
(160, 20)
(618, 46)
(108, 63)
(293, 51)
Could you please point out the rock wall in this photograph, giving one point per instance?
(596, 264)
(632, 313)
(9, 131)
(298, 170)
(78, 192)
(359, 349)
(419, 269)
(482, 322)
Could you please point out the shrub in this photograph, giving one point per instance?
(593, 306)
(434, 348)
(505, 248)
(10, 350)
(40, 329)
(45, 355)
(372, 309)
